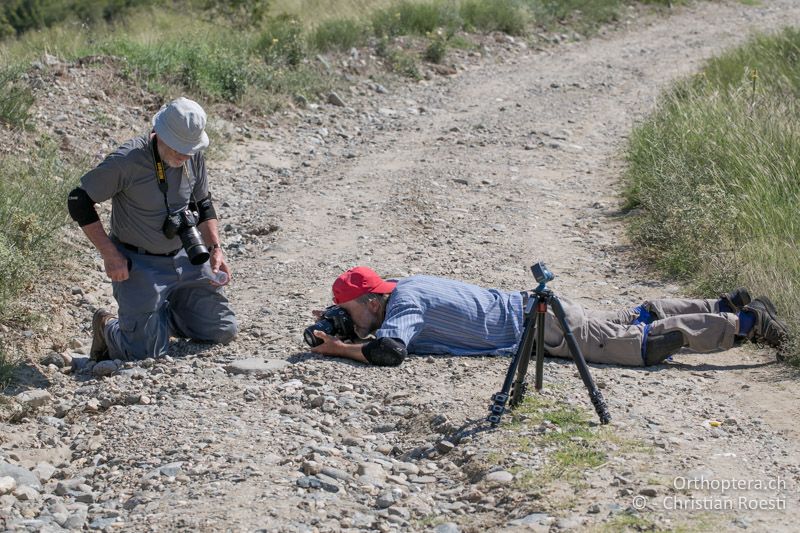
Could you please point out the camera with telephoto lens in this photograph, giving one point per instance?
(184, 224)
(334, 321)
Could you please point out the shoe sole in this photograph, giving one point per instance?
(769, 308)
(741, 294)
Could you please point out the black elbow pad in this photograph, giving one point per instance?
(81, 207)
(385, 351)
(205, 209)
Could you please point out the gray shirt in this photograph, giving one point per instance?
(128, 177)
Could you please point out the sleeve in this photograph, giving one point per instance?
(105, 180)
(404, 321)
(200, 189)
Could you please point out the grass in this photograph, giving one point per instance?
(573, 448)
(16, 98)
(239, 53)
(32, 210)
(713, 176)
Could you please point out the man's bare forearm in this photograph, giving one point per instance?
(98, 236)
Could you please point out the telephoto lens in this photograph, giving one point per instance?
(324, 325)
(193, 244)
(334, 321)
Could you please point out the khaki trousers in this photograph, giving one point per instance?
(609, 337)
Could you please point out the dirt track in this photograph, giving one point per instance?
(513, 160)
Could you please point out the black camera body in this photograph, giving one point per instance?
(183, 223)
(334, 321)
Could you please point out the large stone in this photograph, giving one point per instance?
(256, 366)
(34, 398)
(104, 368)
(44, 471)
(371, 470)
(22, 476)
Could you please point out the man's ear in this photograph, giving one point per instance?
(374, 305)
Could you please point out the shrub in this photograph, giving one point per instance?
(281, 42)
(33, 208)
(16, 98)
(437, 48)
(414, 18)
(499, 15)
(338, 34)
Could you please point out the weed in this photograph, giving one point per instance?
(32, 209)
(414, 18)
(499, 15)
(282, 43)
(437, 48)
(338, 34)
(7, 367)
(16, 98)
(628, 522)
(402, 62)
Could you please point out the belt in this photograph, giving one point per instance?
(142, 251)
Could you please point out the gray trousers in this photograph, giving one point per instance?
(609, 337)
(166, 297)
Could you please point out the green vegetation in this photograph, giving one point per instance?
(713, 176)
(574, 444)
(257, 53)
(32, 210)
(7, 367)
(628, 522)
(15, 97)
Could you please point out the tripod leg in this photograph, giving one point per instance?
(500, 399)
(526, 346)
(594, 393)
(541, 313)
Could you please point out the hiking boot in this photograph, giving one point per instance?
(768, 328)
(736, 299)
(99, 349)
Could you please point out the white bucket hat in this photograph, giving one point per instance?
(181, 125)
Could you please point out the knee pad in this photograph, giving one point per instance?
(659, 347)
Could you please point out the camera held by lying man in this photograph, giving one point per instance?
(163, 253)
(433, 315)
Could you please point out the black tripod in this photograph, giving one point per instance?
(514, 389)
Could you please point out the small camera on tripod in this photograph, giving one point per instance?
(541, 273)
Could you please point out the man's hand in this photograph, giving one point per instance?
(333, 346)
(218, 263)
(115, 263)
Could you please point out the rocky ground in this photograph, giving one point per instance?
(474, 175)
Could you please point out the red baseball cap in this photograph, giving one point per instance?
(357, 282)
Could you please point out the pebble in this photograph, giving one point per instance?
(500, 477)
(7, 484)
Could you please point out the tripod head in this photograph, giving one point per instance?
(542, 275)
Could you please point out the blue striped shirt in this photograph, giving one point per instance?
(435, 315)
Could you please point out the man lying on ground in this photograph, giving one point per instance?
(433, 315)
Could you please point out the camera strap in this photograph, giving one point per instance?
(161, 174)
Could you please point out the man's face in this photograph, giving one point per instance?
(366, 316)
(171, 157)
